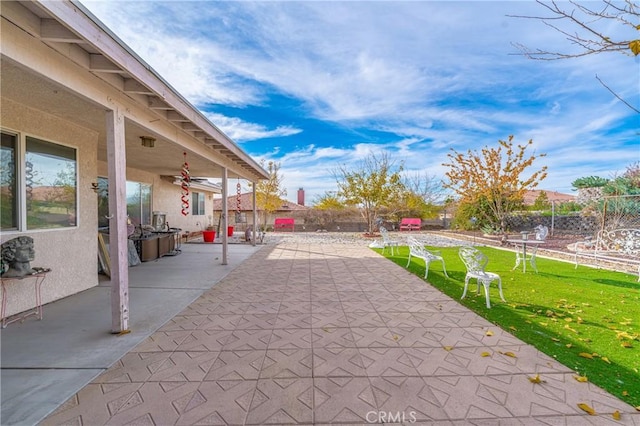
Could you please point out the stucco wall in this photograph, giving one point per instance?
(71, 253)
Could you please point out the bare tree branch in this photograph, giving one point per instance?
(587, 36)
(589, 26)
(617, 96)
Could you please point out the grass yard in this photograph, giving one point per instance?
(588, 319)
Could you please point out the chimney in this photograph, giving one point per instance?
(301, 196)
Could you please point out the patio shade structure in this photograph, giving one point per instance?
(60, 64)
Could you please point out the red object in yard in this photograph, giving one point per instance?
(229, 231)
(410, 224)
(208, 236)
(282, 223)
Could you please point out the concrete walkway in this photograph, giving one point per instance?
(312, 333)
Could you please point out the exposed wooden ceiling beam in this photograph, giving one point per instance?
(101, 63)
(157, 103)
(52, 30)
(176, 117)
(134, 86)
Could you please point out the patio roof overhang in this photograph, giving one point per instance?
(93, 71)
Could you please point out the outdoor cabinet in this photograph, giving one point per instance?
(147, 248)
(166, 244)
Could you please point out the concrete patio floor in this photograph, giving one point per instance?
(297, 333)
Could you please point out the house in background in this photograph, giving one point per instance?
(240, 212)
(91, 134)
(531, 196)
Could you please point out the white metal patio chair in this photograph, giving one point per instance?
(387, 241)
(475, 261)
(417, 249)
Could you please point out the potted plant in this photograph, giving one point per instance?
(209, 234)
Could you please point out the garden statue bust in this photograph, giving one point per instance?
(17, 254)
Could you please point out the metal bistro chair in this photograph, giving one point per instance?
(417, 249)
(387, 241)
(541, 232)
(475, 261)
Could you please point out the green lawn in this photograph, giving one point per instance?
(588, 319)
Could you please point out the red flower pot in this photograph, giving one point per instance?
(208, 236)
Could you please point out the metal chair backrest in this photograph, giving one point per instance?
(541, 232)
(415, 246)
(474, 260)
(384, 233)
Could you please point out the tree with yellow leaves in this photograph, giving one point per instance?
(269, 192)
(373, 186)
(492, 179)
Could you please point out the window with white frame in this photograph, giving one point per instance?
(197, 204)
(39, 184)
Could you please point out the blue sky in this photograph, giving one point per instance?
(318, 85)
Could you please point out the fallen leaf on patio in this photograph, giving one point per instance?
(395, 337)
(586, 408)
(489, 333)
(536, 379)
(325, 329)
(511, 354)
(605, 359)
(448, 348)
(585, 355)
(616, 415)
(581, 379)
(483, 354)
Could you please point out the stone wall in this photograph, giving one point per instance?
(574, 224)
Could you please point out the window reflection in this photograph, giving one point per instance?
(51, 185)
(8, 183)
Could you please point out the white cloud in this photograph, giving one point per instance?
(429, 75)
(241, 131)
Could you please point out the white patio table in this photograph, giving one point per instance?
(521, 252)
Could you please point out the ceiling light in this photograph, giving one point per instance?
(148, 141)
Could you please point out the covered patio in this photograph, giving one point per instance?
(74, 94)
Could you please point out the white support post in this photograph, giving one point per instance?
(116, 165)
(225, 214)
(255, 215)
